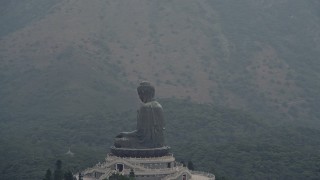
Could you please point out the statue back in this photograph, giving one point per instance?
(150, 125)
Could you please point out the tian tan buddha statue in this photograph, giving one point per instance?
(150, 123)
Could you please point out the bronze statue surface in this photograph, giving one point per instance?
(150, 123)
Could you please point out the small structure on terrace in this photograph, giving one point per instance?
(142, 153)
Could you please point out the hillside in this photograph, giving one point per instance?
(230, 143)
(259, 56)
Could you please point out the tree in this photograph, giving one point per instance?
(131, 175)
(48, 175)
(190, 165)
(183, 163)
(68, 175)
(58, 173)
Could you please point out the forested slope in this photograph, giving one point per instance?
(229, 143)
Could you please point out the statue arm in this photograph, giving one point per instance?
(159, 119)
(127, 134)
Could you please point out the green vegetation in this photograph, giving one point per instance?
(256, 55)
(190, 165)
(230, 143)
(233, 144)
(59, 173)
(271, 28)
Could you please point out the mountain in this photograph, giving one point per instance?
(79, 62)
(257, 55)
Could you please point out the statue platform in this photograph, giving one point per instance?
(150, 168)
(143, 153)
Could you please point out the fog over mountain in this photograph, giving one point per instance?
(70, 59)
(254, 55)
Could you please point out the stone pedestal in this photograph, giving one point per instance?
(143, 153)
(144, 168)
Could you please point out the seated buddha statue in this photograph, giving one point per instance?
(150, 123)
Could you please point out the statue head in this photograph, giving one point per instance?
(146, 91)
